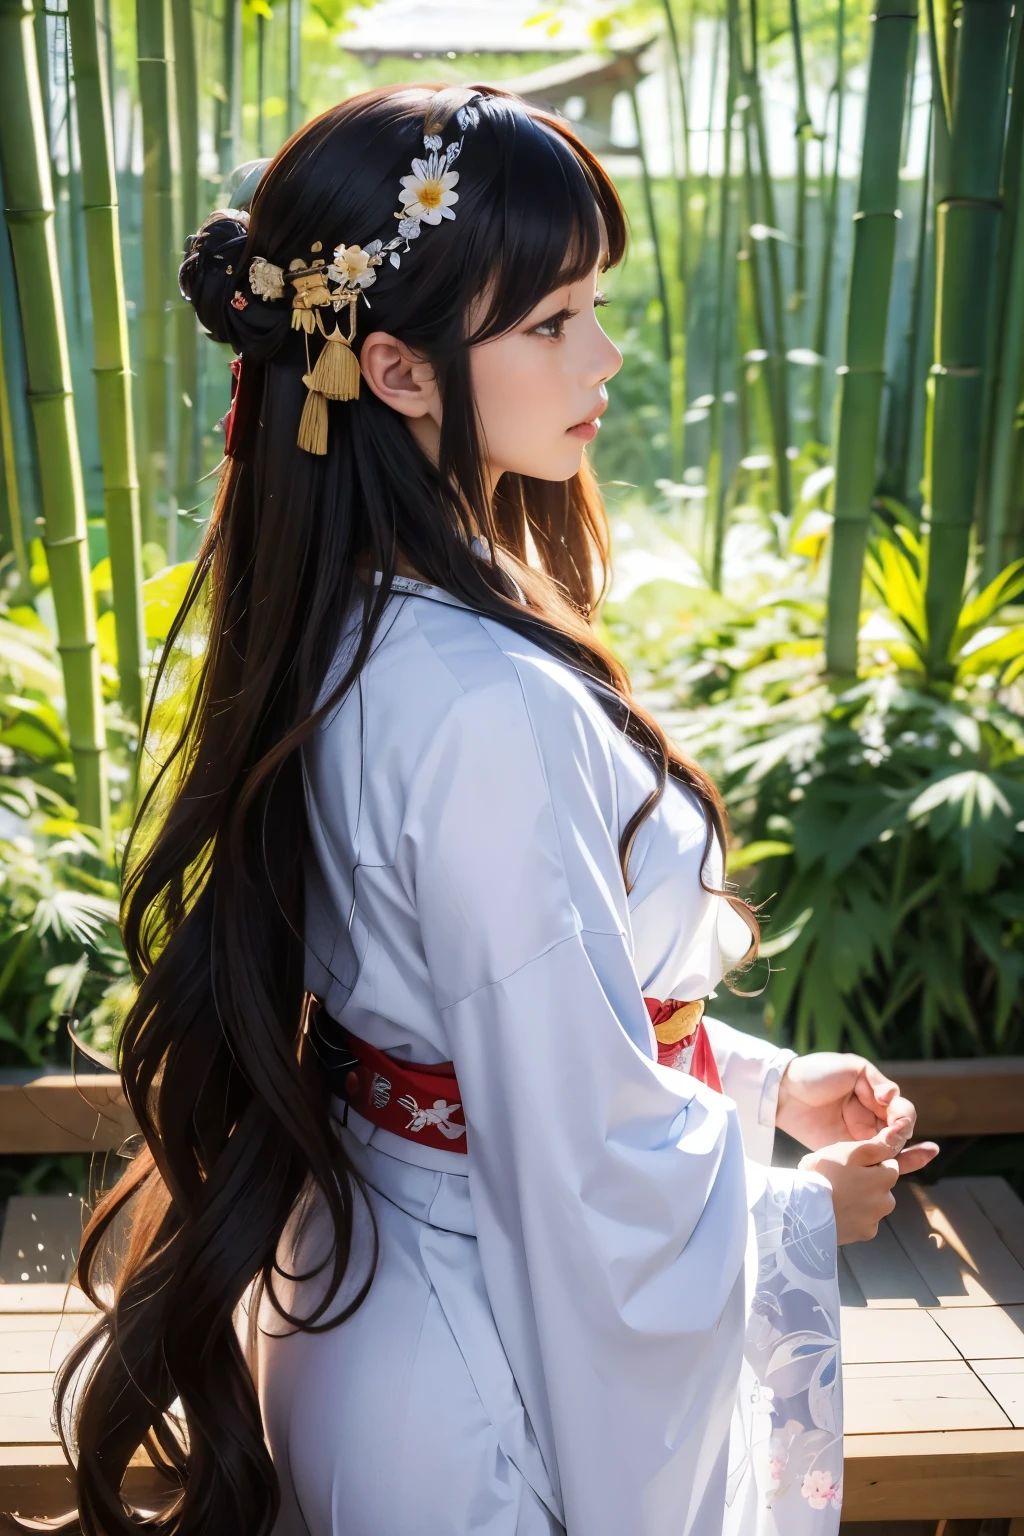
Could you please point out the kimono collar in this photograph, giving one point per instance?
(420, 589)
(479, 545)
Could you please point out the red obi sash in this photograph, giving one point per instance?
(683, 1040)
(424, 1104)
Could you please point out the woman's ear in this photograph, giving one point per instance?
(399, 376)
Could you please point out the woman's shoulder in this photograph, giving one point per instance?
(446, 660)
(445, 682)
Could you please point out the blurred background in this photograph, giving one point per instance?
(812, 460)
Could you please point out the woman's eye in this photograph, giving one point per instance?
(554, 326)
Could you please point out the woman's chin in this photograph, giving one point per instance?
(560, 465)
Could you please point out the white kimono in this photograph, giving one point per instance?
(608, 1316)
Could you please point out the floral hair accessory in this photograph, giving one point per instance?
(266, 280)
(427, 197)
(427, 194)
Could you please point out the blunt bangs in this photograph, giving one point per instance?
(545, 220)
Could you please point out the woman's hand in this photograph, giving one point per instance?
(862, 1175)
(829, 1098)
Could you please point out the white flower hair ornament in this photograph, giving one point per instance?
(427, 197)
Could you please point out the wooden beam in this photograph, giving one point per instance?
(52, 1111)
(971, 1097)
(958, 1475)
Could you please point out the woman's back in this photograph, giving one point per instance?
(569, 1288)
(462, 730)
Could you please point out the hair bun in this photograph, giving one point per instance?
(211, 270)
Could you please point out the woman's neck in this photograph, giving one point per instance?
(403, 568)
(366, 572)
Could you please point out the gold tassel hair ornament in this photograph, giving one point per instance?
(426, 197)
(335, 376)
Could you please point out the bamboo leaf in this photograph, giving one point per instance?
(162, 597)
(982, 609)
(755, 853)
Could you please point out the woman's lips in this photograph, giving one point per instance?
(586, 431)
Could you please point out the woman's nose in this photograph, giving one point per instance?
(608, 361)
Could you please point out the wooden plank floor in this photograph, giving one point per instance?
(933, 1351)
(933, 1357)
(38, 1324)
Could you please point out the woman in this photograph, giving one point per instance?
(426, 924)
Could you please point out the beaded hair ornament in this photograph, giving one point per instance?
(426, 197)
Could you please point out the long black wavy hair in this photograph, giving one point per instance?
(235, 1119)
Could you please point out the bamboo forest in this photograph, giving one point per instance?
(813, 459)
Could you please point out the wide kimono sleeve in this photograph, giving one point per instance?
(751, 1071)
(609, 1194)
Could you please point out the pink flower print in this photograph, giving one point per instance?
(820, 1491)
(780, 1442)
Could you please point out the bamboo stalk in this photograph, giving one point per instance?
(799, 293)
(828, 236)
(803, 130)
(652, 224)
(803, 115)
(717, 487)
(1008, 359)
(967, 236)
(261, 64)
(294, 65)
(40, 35)
(1007, 396)
(110, 346)
(104, 21)
(750, 253)
(774, 342)
(906, 382)
(680, 291)
(159, 228)
(229, 107)
(721, 30)
(75, 227)
(683, 177)
(184, 319)
(12, 496)
(750, 305)
(863, 373)
(12, 359)
(29, 213)
(940, 108)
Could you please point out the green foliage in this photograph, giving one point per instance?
(61, 958)
(878, 822)
(60, 954)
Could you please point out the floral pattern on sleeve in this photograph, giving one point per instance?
(786, 1447)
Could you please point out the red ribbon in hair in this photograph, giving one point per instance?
(245, 391)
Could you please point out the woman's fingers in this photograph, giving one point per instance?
(885, 1144)
(917, 1156)
(875, 1089)
(862, 1175)
(880, 1093)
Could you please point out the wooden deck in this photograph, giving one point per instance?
(933, 1357)
(38, 1324)
(933, 1349)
